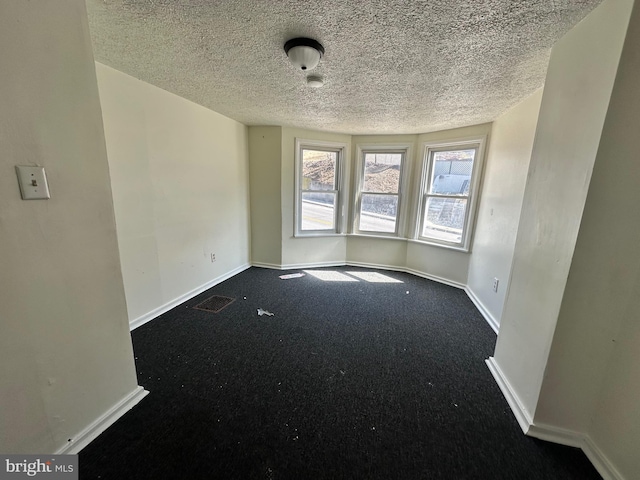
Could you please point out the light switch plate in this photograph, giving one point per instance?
(33, 182)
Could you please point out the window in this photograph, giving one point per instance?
(318, 188)
(380, 186)
(450, 178)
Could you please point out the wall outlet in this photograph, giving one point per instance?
(495, 284)
(213, 257)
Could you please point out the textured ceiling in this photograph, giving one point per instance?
(391, 66)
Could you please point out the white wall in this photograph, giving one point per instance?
(265, 164)
(579, 82)
(442, 264)
(180, 179)
(65, 349)
(616, 420)
(505, 175)
(593, 373)
(374, 251)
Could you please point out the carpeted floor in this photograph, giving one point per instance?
(359, 379)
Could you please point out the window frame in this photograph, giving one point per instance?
(429, 149)
(362, 150)
(340, 149)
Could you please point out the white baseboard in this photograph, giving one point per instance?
(378, 266)
(600, 460)
(550, 433)
(493, 323)
(297, 266)
(522, 415)
(579, 440)
(435, 278)
(271, 266)
(300, 266)
(147, 317)
(103, 422)
(553, 434)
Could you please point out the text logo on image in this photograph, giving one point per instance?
(50, 467)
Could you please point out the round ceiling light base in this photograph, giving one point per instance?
(304, 53)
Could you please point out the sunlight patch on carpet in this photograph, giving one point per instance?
(330, 276)
(374, 277)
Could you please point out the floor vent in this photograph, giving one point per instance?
(214, 304)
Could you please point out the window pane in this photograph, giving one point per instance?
(451, 174)
(318, 211)
(319, 170)
(382, 172)
(444, 218)
(378, 213)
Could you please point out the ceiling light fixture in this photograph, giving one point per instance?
(304, 53)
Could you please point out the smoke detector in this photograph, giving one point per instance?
(314, 81)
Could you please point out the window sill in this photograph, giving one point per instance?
(318, 235)
(377, 237)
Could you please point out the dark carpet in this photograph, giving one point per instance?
(347, 380)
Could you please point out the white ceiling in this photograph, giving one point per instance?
(391, 66)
